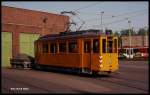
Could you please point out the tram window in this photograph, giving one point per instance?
(62, 47)
(115, 46)
(45, 48)
(53, 48)
(87, 46)
(104, 45)
(73, 47)
(110, 45)
(95, 46)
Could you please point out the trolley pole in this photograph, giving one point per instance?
(129, 39)
(70, 22)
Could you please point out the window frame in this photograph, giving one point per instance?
(65, 44)
(77, 47)
(45, 49)
(110, 46)
(115, 45)
(98, 48)
(56, 47)
(87, 40)
(105, 48)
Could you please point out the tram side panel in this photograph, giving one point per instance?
(60, 60)
(68, 60)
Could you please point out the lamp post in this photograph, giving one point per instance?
(129, 38)
(101, 20)
(146, 37)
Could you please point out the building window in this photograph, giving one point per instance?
(45, 48)
(62, 47)
(95, 46)
(53, 48)
(73, 47)
(87, 46)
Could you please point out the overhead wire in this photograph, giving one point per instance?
(123, 19)
(77, 10)
(124, 14)
(86, 6)
(111, 14)
(109, 23)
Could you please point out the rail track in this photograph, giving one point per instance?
(32, 83)
(25, 83)
(123, 81)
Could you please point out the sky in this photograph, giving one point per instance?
(116, 14)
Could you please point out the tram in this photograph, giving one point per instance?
(81, 51)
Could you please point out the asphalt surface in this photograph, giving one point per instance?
(132, 77)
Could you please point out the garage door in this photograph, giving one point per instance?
(6, 48)
(27, 43)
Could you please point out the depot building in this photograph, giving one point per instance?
(21, 27)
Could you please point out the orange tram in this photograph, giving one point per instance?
(81, 51)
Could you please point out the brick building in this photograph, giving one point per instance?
(21, 27)
(139, 45)
(136, 41)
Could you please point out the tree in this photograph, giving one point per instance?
(141, 31)
(126, 32)
(147, 31)
(116, 33)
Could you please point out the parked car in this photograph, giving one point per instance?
(22, 61)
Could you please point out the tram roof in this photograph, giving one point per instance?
(73, 34)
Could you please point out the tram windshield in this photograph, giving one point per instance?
(109, 45)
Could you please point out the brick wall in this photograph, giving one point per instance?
(29, 20)
(18, 21)
(136, 41)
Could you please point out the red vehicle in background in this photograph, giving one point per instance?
(136, 48)
(136, 52)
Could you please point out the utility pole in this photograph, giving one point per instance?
(101, 20)
(146, 36)
(129, 39)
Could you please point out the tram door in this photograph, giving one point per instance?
(91, 54)
(109, 53)
(87, 55)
